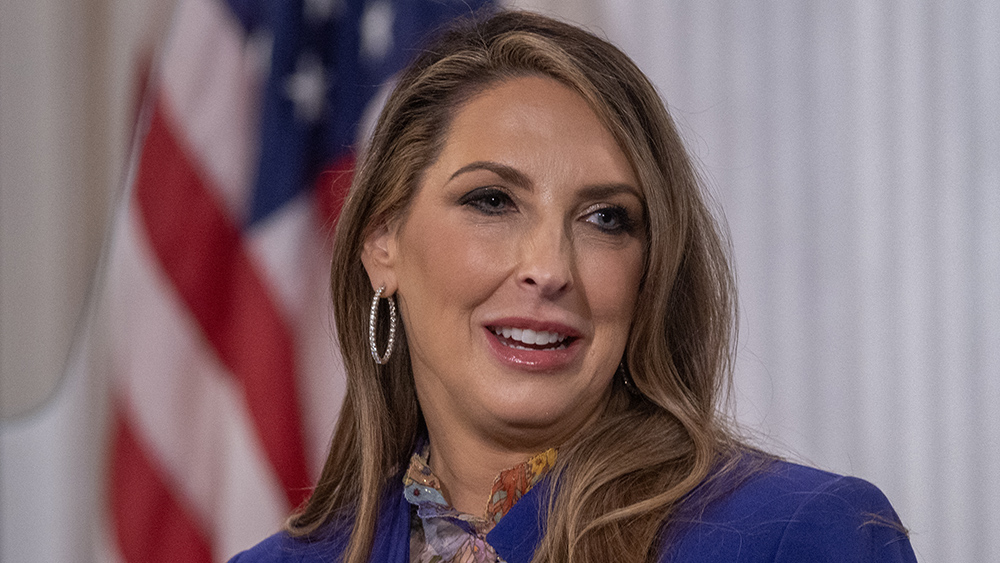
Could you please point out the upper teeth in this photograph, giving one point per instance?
(528, 336)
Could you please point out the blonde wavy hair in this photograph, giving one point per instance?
(624, 478)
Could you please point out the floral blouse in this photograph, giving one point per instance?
(442, 534)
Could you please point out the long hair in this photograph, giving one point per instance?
(622, 478)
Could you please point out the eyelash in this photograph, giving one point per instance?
(619, 214)
(495, 201)
(483, 200)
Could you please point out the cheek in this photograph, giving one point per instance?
(611, 282)
(449, 264)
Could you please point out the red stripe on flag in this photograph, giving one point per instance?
(202, 252)
(331, 189)
(152, 527)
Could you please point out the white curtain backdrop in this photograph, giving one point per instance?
(853, 146)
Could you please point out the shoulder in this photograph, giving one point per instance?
(789, 512)
(390, 543)
(283, 548)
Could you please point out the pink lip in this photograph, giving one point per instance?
(534, 360)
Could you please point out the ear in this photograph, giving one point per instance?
(379, 258)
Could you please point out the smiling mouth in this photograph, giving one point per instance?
(527, 339)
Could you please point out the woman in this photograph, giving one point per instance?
(551, 390)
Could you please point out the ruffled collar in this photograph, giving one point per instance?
(423, 489)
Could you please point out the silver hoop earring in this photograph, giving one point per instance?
(372, 318)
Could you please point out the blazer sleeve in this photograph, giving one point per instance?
(391, 543)
(790, 513)
(279, 548)
(846, 521)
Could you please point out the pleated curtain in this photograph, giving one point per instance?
(854, 148)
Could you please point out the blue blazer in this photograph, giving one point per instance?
(787, 513)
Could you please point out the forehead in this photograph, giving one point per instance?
(536, 124)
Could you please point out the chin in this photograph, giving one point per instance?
(542, 422)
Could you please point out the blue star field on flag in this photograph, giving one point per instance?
(328, 59)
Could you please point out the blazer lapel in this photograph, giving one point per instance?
(392, 536)
(518, 533)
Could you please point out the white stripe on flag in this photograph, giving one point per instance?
(211, 81)
(186, 408)
(294, 259)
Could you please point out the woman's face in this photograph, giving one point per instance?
(517, 266)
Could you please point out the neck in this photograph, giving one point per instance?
(467, 467)
(467, 453)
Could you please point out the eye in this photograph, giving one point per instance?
(611, 219)
(490, 201)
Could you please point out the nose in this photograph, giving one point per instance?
(546, 265)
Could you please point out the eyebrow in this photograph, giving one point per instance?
(600, 191)
(507, 173)
(519, 179)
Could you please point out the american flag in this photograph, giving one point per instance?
(226, 382)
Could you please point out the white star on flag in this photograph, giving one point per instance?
(376, 30)
(319, 11)
(307, 88)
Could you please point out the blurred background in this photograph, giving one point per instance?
(852, 146)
